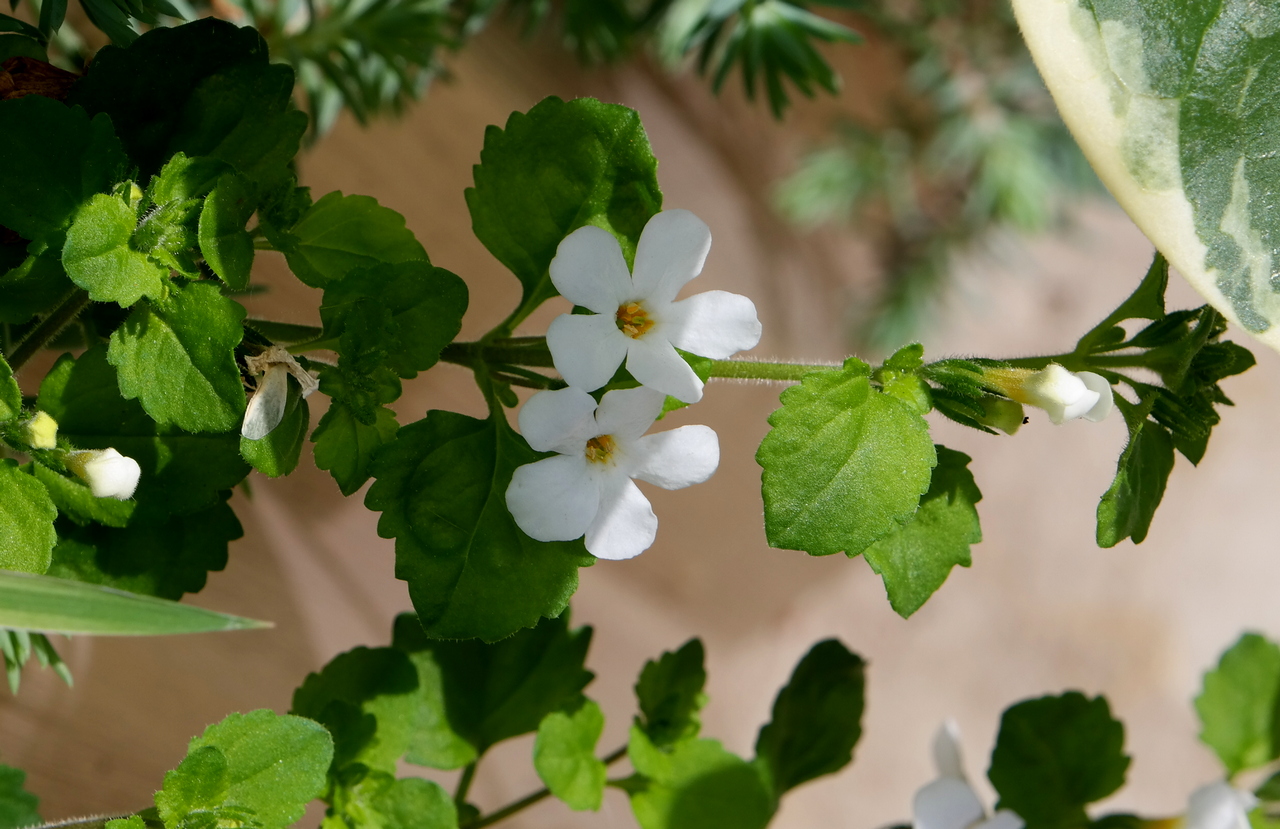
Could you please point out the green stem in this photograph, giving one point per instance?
(49, 327)
(530, 799)
(757, 370)
(464, 784)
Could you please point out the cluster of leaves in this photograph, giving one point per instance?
(444, 704)
(973, 147)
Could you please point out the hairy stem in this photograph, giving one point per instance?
(48, 328)
(758, 370)
(530, 799)
(464, 784)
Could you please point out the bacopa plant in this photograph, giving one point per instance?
(135, 196)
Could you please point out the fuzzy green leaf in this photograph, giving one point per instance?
(562, 165)
(17, 805)
(1056, 755)
(817, 718)
(669, 692)
(413, 803)
(10, 394)
(441, 487)
(177, 357)
(345, 445)
(76, 501)
(26, 521)
(32, 286)
(226, 245)
(1239, 703)
(564, 755)
(1129, 505)
(99, 257)
(844, 464)
(916, 559)
(340, 234)
(184, 178)
(697, 785)
(277, 453)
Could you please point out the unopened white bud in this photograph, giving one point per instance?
(41, 431)
(108, 473)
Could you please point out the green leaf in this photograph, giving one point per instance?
(1054, 756)
(441, 487)
(367, 698)
(157, 556)
(10, 393)
(277, 454)
(98, 255)
(492, 692)
(227, 247)
(1174, 104)
(697, 785)
(33, 286)
(1146, 302)
(564, 755)
(52, 605)
(17, 805)
(1127, 507)
(916, 559)
(1239, 702)
(424, 304)
(177, 357)
(340, 234)
(205, 88)
(26, 521)
(345, 446)
(844, 465)
(76, 501)
(55, 159)
(669, 692)
(184, 178)
(262, 766)
(181, 472)
(817, 718)
(562, 165)
(413, 803)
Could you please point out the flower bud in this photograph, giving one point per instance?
(1001, 413)
(1065, 395)
(108, 473)
(41, 431)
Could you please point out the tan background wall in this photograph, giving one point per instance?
(1041, 610)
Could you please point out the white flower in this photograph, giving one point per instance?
(266, 407)
(636, 316)
(1219, 806)
(108, 473)
(950, 802)
(587, 489)
(1065, 395)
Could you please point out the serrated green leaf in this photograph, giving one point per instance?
(52, 605)
(1127, 507)
(185, 177)
(130, 822)
(345, 446)
(181, 472)
(274, 765)
(26, 521)
(17, 805)
(205, 88)
(55, 159)
(33, 286)
(817, 718)
(76, 501)
(1239, 703)
(916, 559)
(562, 165)
(844, 464)
(277, 454)
(98, 255)
(564, 755)
(491, 692)
(424, 305)
(367, 698)
(177, 357)
(225, 244)
(1054, 756)
(441, 487)
(413, 803)
(669, 693)
(163, 557)
(10, 393)
(340, 234)
(697, 785)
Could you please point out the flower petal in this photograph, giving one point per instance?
(946, 803)
(558, 421)
(628, 413)
(673, 246)
(1097, 383)
(625, 526)
(589, 270)
(586, 348)
(678, 458)
(266, 407)
(1219, 806)
(554, 499)
(715, 324)
(654, 362)
(1003, 819)
(946, 751)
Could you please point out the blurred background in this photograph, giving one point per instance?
(935, 198)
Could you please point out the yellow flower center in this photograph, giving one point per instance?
(633, 320)
(600, 449)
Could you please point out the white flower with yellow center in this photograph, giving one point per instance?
(637, 317)
(1065, 395)
(950, 802)
(587, 488)
(108, 473)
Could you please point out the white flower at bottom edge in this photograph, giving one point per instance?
(1219, 806)
(108, 473)
(1065, 395)
(587, 488)
(950, 802)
